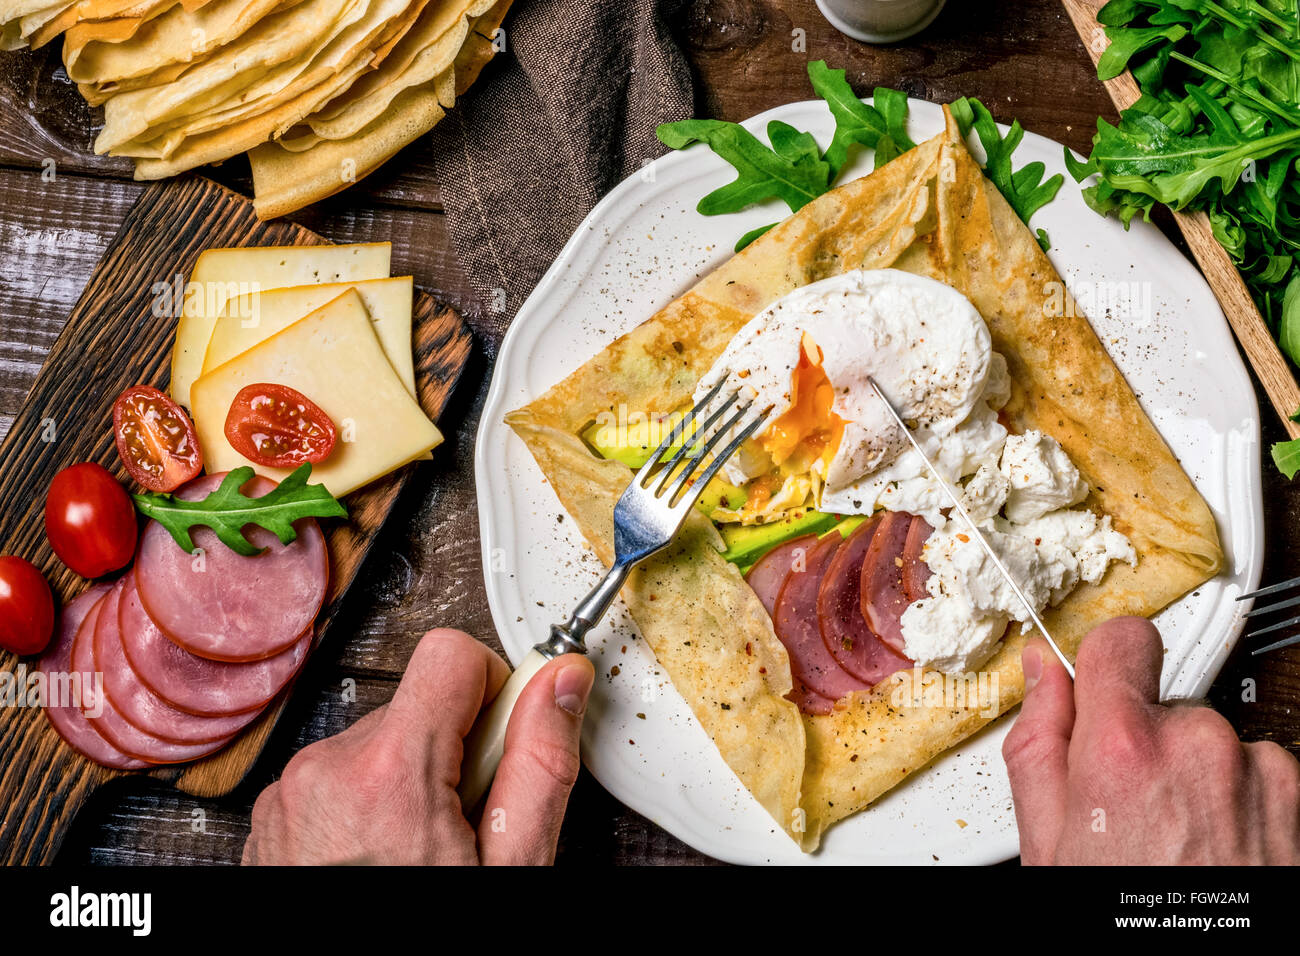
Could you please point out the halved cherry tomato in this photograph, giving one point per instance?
(26, 607)
(90, 520)
(155, 439)
(279, 427)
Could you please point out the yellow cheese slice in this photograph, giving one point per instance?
(333, 357)
(220, 274)
(249, 319)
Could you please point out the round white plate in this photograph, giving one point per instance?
(643, 245)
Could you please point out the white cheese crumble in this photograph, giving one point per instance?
(1041, 476)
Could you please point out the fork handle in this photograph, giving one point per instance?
(486, 743)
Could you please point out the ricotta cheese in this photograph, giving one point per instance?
(1040, 475)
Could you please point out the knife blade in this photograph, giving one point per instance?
(974, 528)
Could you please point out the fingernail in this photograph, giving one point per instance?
(1032, 662)
(572, 687)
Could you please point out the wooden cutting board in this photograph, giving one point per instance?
(119, 334)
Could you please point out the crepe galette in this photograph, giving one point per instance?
(930, 212)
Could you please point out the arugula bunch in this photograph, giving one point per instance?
(1217, 129)
(227, 511)
(794, 169)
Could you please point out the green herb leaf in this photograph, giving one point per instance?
(1217, 130)
(227, 511)
(1289, 325)
(1024, 188)
(856, 123)
(1286, 455)
(796, 172)
(763, 173)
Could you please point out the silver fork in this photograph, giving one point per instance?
(1281, 605)
(646, 518)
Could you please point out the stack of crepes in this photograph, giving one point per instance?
(319, 93)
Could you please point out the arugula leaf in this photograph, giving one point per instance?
(1286, 455)
(227, 511)
(793, 169)
(856, 123)
(1024, 189)
(1216, 129)
(1289, 325)
(1125, 42)
(763, 173)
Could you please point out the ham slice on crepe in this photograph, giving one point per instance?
(929, 212)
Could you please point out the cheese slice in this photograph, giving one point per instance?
(334, 358)
(220, 274)
(252, 318)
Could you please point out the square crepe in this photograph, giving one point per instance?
(929, 212)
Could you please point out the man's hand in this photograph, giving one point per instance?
(384, 790)
(1103, 773)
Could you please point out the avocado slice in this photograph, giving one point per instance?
(631, 446)
(747, 543)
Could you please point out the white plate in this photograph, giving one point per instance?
(642, 246)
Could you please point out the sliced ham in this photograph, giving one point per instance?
(769, 572)
(844, 629)
(110, 722)
(916, 573)
(225, 606)
(883, 597)
(137, 704)
(195, 684)
(809, 701)
(60, 705)
(796, 625)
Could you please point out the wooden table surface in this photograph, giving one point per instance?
(60, 205)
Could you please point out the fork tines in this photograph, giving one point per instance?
(1275, 606)
(694, 454)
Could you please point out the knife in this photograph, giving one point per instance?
(974, 529)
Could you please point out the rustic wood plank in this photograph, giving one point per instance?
(120, 333)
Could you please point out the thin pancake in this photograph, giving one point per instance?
(302, 87)
(176, 36)
(276, 40)
(930, 212)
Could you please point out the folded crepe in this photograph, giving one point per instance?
(284, 180)
(930, 212)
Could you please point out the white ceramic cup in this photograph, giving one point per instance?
(880, 21)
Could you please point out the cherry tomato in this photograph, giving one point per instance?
(279, 427)
(155, 439)
(90, 520)
(26, 607)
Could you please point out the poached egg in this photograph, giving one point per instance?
(809, 356)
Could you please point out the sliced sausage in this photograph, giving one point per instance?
(916, 573)
(848, 637)
(223, 605)
(140, 706)
(883, 597)
(769, 572)
(797, 627)
(62, 691)
(110, 722)
(195, 684)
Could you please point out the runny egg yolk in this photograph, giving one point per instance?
(809, 430)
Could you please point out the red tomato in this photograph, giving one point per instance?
(26, 607)
(155, 439)
(279, 427)
(90, 520)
